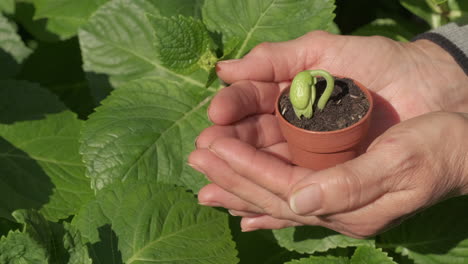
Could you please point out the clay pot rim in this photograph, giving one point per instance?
(362, 120)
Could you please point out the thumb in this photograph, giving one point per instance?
(345, 187)
(275, 62)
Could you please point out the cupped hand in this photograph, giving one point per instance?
(245, 156)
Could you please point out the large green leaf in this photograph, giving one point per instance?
(321, 260)
(370, 255)
(311, 239)
(145, 130)
(260, 244)
(254, 22)
(37, 28)
(437, 235)
(20, 101)
(423, 10)
(119, 41)
(12, 49)
(362, 255)
(170, 8)
(18, 248)
(385, 27)
(40, 166)
(65, 16)
(156, 223)
(7, 6)
(184, 44)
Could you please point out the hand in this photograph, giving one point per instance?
(410, 167)
(245, 109)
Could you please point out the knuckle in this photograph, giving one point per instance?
(262, 49)
(350, 187)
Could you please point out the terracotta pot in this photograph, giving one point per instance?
(321, 150)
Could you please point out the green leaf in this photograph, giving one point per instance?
(75, 246)
(438, 2)
(333, 28)
(145, 130)
(370, 255)
(39, 160)
(65, 16)
(37, 28)
(260, 244)
(436, 235)
(385, 27)
(12, 49)
(20, 101)
(183, 43)
(229, 50)
(18, 248)
(321, 260)
(7, 6)
(119, 41)
(424, 11)
(160, 223)
(254, 22)
(311, 239)
(63, 243)
(187, 8)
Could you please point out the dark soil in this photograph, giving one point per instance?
(347, 105)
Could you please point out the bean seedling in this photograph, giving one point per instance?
(303, 92)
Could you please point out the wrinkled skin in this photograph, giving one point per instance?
(414, 156)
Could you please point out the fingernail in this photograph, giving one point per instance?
(196, 167)
(213, 204)
(219, 65)
(231, 213)
(248, 229)
(210, 148)
(228, 61)
(306, 200)
(208, 114)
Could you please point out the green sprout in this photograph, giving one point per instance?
(302, 93)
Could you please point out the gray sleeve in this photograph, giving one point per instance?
(454, 39)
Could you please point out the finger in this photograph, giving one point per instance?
(275, 62)
(258, 166)
(260, 131)
(220, 173)
(378, 216)
(265, 222)
(280, 151)
(242, 99)
(345, 187)
(213, 195)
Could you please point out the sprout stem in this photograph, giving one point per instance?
(328, 90)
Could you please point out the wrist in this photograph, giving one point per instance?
(434, 51)
(445, 79)
(463, 152)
